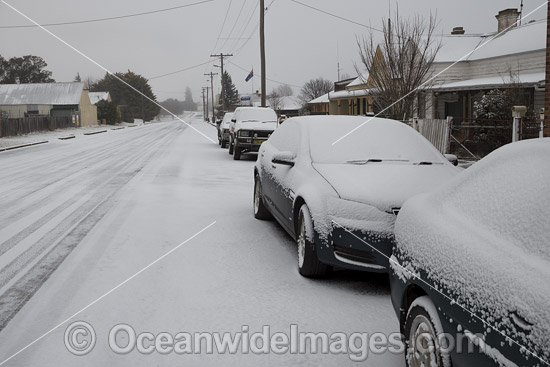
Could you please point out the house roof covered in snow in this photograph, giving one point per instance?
(321, 99)
(525, 38)
(493, 82)
(98, 96)
(288, 103)
(41, 93)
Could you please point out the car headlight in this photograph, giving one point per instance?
(255, 135)
(244, 133)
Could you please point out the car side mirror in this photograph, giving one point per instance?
(452, 158)
(284, 158)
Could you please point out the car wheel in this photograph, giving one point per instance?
(422, 331)
(308, 261)
(230, 146)
(237, 153)
(224, 144)
(260, 211)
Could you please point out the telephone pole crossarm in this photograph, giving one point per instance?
(221, 56)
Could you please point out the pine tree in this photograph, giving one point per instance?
(231, 95)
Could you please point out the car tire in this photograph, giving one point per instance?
(224, 144)
(237, 153)
(422, 328)
(308, 262)
(260, 211)
(230, 146)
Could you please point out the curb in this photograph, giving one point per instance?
(95, 132)
(67, 137)
(23, 145)
(118, 128)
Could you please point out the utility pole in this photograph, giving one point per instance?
(142, 105)
(547, 82)
(203, 104)
(212, 91)
(207, 107)
(221, 56)
(262, 48)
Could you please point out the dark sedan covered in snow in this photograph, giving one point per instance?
(339, 199)
(471, 269)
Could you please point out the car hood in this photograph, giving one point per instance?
(384, 185)
(256, 125)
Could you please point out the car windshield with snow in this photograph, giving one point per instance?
(472, 264)
(250, 127)
(339, 199)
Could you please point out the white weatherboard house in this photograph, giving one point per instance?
(502, 59)
(466, 67)
(50, 99)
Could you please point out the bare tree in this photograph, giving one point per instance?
(275, 98)
(284, 90)
(400, 67)
(315, 88)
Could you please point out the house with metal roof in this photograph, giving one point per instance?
(468, 66)
(50, 99)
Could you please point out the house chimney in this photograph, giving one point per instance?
(507, 18)
(458, 30)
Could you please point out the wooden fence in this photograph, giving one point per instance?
(438, 132)
(26, 125)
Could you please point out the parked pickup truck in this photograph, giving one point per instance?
(249, 128)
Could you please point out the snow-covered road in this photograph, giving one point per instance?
(81, 216)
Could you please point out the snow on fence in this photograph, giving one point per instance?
(437, 131)
(26, 125)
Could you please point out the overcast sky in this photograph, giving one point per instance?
(301, 43)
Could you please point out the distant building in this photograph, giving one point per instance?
(513, 59)
(351, 97)
(319, 105)
(99, 96)
(287, 105)
(51, 99)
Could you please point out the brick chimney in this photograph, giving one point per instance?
(458, 30)
(507, 18)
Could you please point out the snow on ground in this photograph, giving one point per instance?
(161, 184)
(9, 141)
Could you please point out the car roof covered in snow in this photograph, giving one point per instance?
(484, 238)
(337, 139)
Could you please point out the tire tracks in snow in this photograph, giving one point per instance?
(26, 273)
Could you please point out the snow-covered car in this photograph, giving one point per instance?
(472, 260)
(249, 128)
(339, 200)
(223, 129)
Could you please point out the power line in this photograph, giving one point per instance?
(110, 18)
(253, 31)
(337, 16)
(234, 24)
(271, 80)
(245, 26)
(223, 25)
(179, 71)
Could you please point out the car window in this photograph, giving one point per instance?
(286, 137)
(375, 140)
(255, 115)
